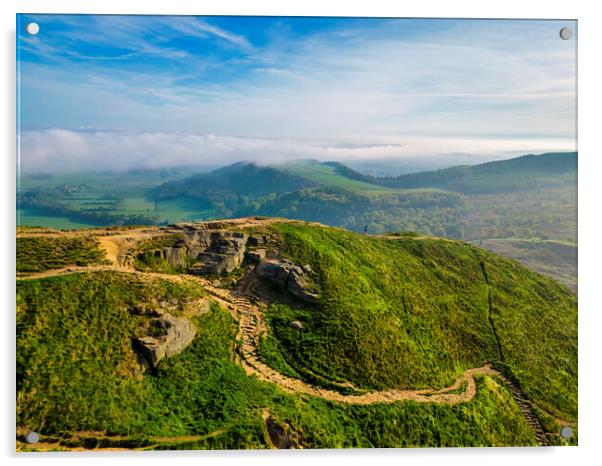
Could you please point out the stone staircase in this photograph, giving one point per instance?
(527, 411)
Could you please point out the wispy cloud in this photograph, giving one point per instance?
(196, 27)
(358, 81)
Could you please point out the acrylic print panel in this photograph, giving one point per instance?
(271, 232)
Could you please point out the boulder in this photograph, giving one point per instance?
(297, 325)
(288, 276)
(275, 270)
(296, 285)
(169, 336)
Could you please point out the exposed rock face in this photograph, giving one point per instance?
(256, 241)
(297, 284)
(288, 276)
(175, 257)
(170, 335)
(282, 435)
(225, 253)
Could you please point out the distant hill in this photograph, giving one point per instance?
(242, 178)
(521, 173)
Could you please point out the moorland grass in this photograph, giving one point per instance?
(40, 253)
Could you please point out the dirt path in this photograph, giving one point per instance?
(252, 328)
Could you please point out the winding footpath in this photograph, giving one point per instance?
(252, 329)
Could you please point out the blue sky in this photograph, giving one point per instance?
(122, 91)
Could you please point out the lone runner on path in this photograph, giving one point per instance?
(366, 229)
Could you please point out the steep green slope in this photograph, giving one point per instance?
(74, 361)
(415, 312)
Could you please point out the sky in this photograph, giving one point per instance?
(120, 92)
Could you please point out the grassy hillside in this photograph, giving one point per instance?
(36, 254)
(329, 175)
(76, 372)
(410, 312)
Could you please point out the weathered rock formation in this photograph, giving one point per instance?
(288, 276)
(209, 251)
(169, 336)
(224, 254)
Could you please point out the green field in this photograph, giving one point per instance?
(30, 217)
(83, 200)
(184, 210)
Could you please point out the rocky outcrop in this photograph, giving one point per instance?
(288, 276)
(225, 253)
(209, 251)
(283, 435)
(275, 270)
(168, 336)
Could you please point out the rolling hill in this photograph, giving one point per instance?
(517, 174)
(384, 341)
(520, 173)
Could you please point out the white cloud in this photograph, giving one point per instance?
(62, 150)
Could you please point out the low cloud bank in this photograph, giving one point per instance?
(65, 150)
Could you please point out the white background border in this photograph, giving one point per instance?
(590, 233)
